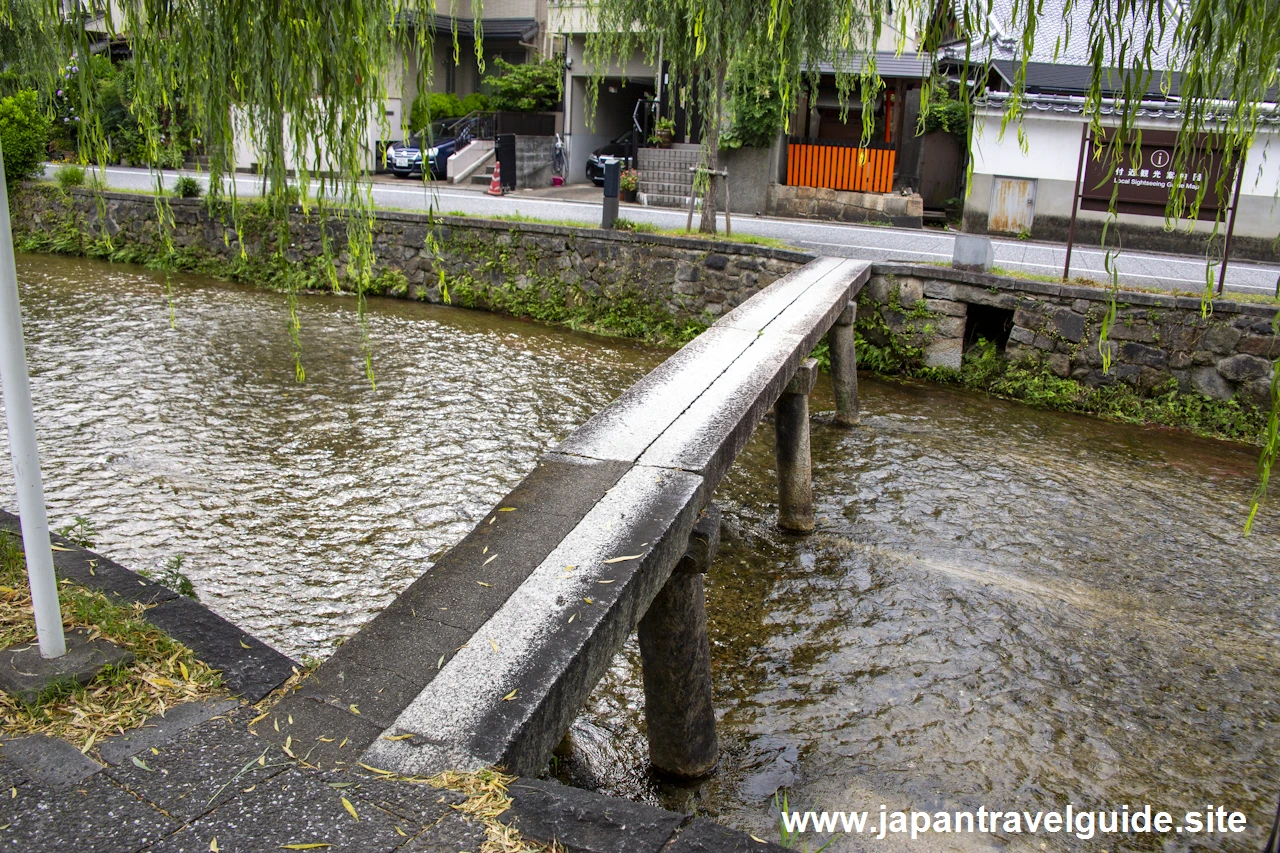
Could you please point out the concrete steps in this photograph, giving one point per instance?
(665, 179)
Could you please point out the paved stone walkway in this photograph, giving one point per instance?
(202, 780)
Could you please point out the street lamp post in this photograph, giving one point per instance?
(22, 447)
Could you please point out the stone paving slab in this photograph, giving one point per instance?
(202, 767)
(417, 804)
(452, 834)
(162, 728)
(295, 807)
(586, 822)
(12, 774)
(95, 814)
(48, 761)
(509, 696)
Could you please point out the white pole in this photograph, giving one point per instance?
(22, 447)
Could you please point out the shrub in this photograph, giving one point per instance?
(475, 102)
(187, 187)
(429, 106)
(757, 107)
(530, 88)
(70, 176)
(24, 136)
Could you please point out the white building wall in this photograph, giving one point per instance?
(1051, 156)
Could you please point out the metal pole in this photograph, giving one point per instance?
(22, 447)
(1075, 200)
(1231, 227)
(728, 222)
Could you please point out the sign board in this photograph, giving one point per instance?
(1145, 187)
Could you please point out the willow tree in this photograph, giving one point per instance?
(1225, 55)
(302, 81)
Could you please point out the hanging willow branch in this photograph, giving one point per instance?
(1225, 54)
(302, 82)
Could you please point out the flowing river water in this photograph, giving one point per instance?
(1001, 607)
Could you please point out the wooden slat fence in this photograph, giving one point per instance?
(839, 167)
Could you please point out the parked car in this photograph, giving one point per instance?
(615, 150)
(405, 159)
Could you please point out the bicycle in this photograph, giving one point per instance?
(557, 156)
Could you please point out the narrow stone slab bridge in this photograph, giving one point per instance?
(488, 657)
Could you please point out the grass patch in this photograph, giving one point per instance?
(747, 239)
(163, 674)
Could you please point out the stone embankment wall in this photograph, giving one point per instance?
(933, 312)
(493, 260)
(1154, 339)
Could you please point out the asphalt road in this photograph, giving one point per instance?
(1146, 269)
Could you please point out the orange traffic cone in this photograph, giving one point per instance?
(495, 185)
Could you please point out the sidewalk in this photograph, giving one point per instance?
(200, 778)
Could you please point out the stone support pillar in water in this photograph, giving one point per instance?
(844, 367)
(791, 446)
(675, 657)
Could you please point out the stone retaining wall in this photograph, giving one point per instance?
(686, 277)
(840, 206)
(1154, 338)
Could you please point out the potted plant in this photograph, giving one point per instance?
(628, 184)
(663, 131)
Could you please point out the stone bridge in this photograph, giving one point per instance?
(487, 658)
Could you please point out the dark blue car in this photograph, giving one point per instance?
(407, 159)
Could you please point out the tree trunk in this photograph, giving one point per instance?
(714, 87)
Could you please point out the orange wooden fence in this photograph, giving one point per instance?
(840, 167)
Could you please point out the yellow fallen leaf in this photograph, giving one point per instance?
(612, 581)
(485, 551)
(213, 845)
(245, 645)
(511, 695)
(324, 739)
(570, 568)
(440, 662)
(493, 643)
(344, 743)
(761, 840)
(182, 668)
(155, 751)
(259, 718)
(623, 559)
(288, 742)
(275, 723)
(248, 789)
(13, 793)
(355, 710)
(403, 834)
(588, 601)
(488, 561)
(482, 583)
(397, 737)
(351, 810)
(506, 509)
(262, 760)
(89, 744)
(571, 618)
(492, 519)
(160, 681)
(375, 769)
(60, 548)
(291, 719)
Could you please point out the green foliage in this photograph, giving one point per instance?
(69, 176)
(172, 576)
(429, 106)
(942, 112)
(529, 88)
(79, 530)
(756, 105)
(476, 102)
(24, 134)
(187, 187)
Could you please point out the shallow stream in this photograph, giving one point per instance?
(1001, 606)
